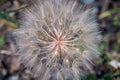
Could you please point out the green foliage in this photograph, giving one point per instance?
(14, 11)
(5, 16)
(107, 77)
(109, 12)
(2, 41)
(116, 21)
(92, 77)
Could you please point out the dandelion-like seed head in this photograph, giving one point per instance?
(57, 39)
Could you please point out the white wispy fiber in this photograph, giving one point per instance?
(57, 39)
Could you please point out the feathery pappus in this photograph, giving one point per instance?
(57, 39)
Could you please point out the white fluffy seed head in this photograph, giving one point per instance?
(57, 39)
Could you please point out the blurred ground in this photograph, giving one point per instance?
(108, 66)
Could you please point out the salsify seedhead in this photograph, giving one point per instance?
(57, 39)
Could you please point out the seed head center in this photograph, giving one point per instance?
(58, 43)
